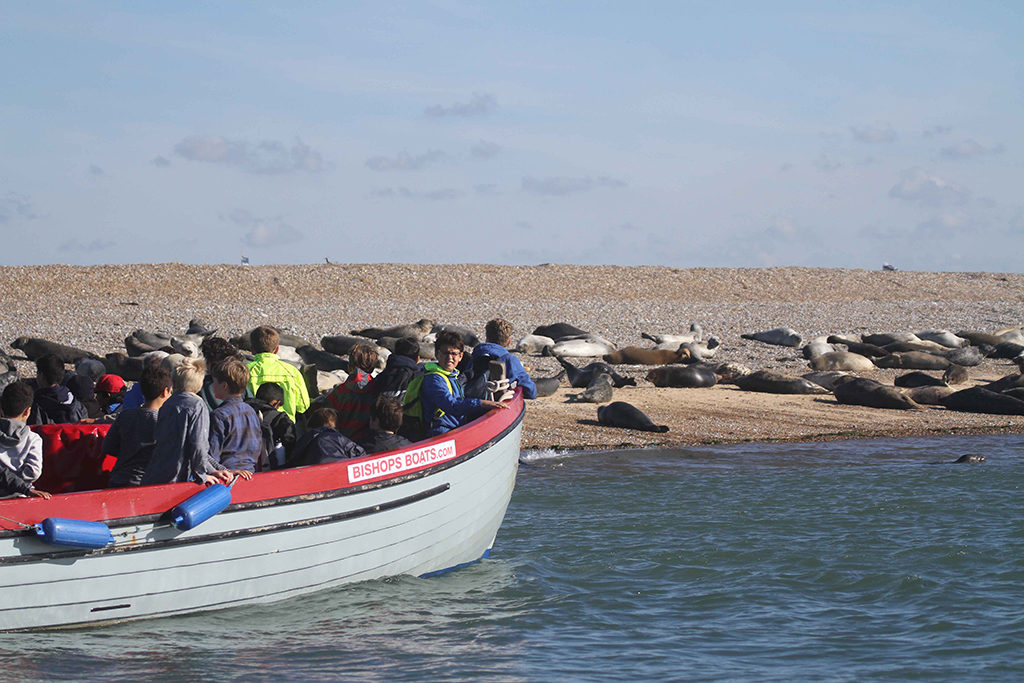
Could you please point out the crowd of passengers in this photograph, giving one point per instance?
(215, 418)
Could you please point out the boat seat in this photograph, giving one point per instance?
(73, 458)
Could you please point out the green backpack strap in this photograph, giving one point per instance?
(411, 404)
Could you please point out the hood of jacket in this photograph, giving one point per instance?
(12, 432)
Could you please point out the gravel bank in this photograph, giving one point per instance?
(96, 307)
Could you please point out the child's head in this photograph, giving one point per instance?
(188, 376)
(16, 400)
(109, 389)
(154, 379)
(408, 347)
(233, 374)
(448, 349)
(264, 339)
(499, 331)
(363, 356)
(322, 417)
(216, 349)
(271, 393)
(387, 411)
(49, 370)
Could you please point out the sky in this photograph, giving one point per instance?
(684, 134)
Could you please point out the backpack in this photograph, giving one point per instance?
(412, 406)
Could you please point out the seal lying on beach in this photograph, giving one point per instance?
(682, 376)
(621, 414)
(913, 360)
(548, 385)
(866, 350)
(579, 378)
(929, 396)
(634, 355)
(918, 379)
(955, 374)
(979, 400)
(861, 391)
(35, 348)
(244, 341)
(325, 361)
(340, 345)
(468, 336)
(558, 331)
(588, 347)
(775, 383)
(842, 360)
(883, 338)
(674, 340)
(418, 329)
(534, 343)
(780, 336)
(826, 379)
(943, 337)
(598, 391)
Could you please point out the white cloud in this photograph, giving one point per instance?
(969, 149)
(263, 232)
(559, 186)
(405, 161)
(874, 135)
(919, 186)
(264, 157)
(479, 105)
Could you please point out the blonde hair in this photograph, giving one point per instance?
(188, 376)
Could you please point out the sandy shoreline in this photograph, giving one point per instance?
(96, 307)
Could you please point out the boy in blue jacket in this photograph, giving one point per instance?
(445, 406)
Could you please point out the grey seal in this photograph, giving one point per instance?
(883, 338)
(861, 391)
(853, 346)
(943, 337)
(534, 343)
(780, 336)
(826, 379)
(913, 360)
(342, 344)
(969, 356)
(35, 348)
(842, 360)
(775, 383)
(418, 329)
(980, 400)
(325, 361)
(598, 391)
(580, 348)
(469, 337)
(674, 340)
(558, 331)
(955, 374)
(978, 338)
(546, 386)
(622, 414)
(918, 379)
(930, 396)
(634, 355)
(682, 376)
(579, 378)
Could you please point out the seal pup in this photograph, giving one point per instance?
(918, 379)
(780, 336)
(546, 386)
(861, 391)
(559, 330)
(579, 378)
(769, 382)
(534, 343)
(842, 360)
(682, 376)
(981, 400)
(913, 360)
(622, 414)
(35, 348)
(598, 391)
(634, 355)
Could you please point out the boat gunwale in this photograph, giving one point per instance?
(473, 427)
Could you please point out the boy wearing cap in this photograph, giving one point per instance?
(109, 391)
(21, 449)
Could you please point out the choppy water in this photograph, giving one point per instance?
(840, 561)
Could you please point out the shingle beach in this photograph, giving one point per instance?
(96, 307)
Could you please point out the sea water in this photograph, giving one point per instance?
(857, 560)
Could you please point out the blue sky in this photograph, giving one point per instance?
(667, 133)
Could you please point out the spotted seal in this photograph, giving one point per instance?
(579, 378)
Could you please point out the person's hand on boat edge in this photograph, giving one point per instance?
(244, 474)
(494, 404)
(40, 494)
